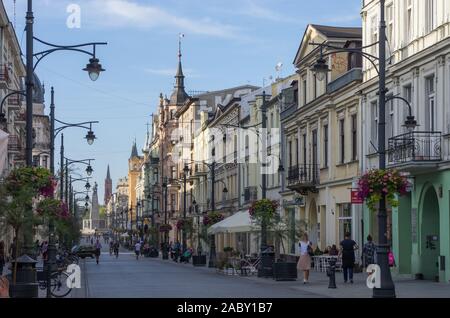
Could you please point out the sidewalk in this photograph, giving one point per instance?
(405, 287)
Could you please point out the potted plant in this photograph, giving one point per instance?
(281, 229)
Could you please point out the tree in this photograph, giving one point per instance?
(21, 192)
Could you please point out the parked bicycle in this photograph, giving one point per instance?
(58, 282)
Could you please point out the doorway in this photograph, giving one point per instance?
(429, 235)
(312, 223)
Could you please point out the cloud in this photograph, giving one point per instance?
(127, 13)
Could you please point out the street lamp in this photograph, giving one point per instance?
(164, 186)
(90, 137)
(94, 68)
(87, 186)
(89, 170)
(186, 171)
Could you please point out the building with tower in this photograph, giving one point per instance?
(108, 187)
(134, 169)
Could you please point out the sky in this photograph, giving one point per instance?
(227, 43)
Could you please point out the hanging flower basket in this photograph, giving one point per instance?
(38, 181)
(374, 183)
(212, 218)
(263, 210)
(52, 208)
(165, 228)
(184, 224)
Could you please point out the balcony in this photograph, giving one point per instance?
(418, 150)
(304, 178)
(14, 145)
(14, 102)
(4, 76)
(250, 194)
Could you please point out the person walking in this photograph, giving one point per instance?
(44, 250)
(2, 257)
(304, 262)
(116, 249)
(137, 249)
(348, 247)
(111, 248)
(98, 248)
(368, 252)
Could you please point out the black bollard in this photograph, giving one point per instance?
(331, 273)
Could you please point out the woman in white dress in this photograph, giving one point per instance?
(304, 262)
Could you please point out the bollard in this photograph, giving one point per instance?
(331, 273)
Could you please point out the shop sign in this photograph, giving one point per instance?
(355, 199)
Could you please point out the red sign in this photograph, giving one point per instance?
(355, 198)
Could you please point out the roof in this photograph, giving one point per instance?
(339, 32)
(134, 152)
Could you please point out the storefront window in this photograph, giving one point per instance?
(345, 220)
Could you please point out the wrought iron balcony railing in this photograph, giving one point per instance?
(304, 177)
(416, 146)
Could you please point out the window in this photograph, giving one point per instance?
(345, 220)
(315, 86)
(354, 137)
(374, 125)
(408, 20)
(430, 15)
(290, 153)
(45, 162)
(374, 35)
(304, 89)
(304, 150)
(314, 148)
(342, 140)
(325, 145)
(174, 172)
(390, 25)
(389, 118)
(36, 161)
(407, 94)
(430, 104)
(297, 155)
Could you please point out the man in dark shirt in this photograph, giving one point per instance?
(348, 247)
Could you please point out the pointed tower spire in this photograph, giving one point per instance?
(108, 175)
(179, 95)
(134, 152)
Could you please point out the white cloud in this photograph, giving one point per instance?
(127, 13)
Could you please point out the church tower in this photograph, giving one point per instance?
(134, 169)
(108, 187)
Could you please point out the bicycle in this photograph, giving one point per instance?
(58, 283)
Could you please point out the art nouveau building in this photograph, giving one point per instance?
(320, 136)
(418, 51)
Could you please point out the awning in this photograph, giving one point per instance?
(238, 222)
